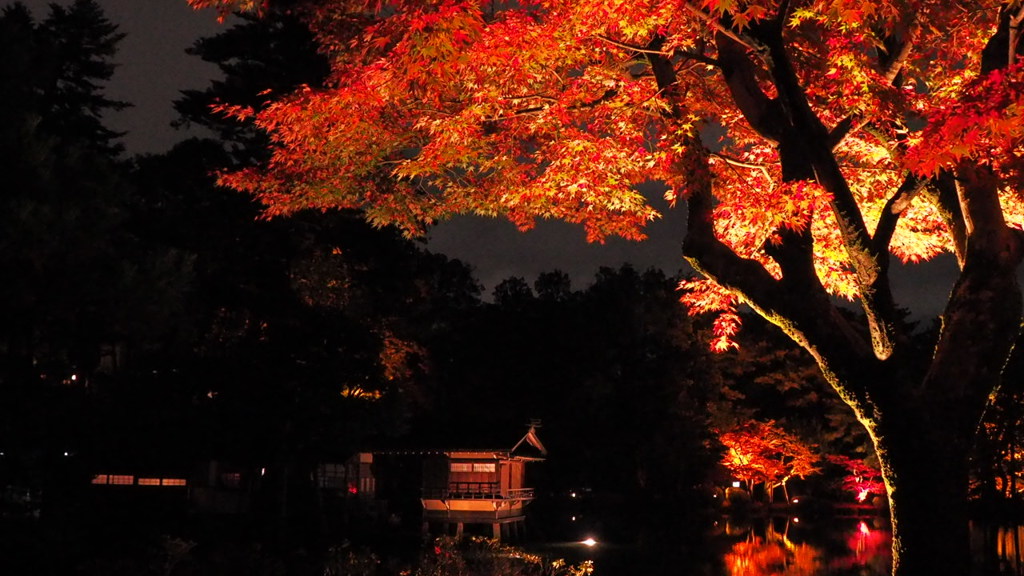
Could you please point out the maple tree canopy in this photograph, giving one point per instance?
(562, 108)
(761, 452)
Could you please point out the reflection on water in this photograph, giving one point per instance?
(784, 547)
(656, 546)
(999, 549)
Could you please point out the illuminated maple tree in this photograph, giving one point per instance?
(862, 478)
(810, 140)
(762, 453)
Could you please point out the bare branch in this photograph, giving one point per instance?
(630, 47)
(762, 113)
(715, 24)
(899, 50)
(941, 193)
(891, 63)
(893, 210)
(1014, 38)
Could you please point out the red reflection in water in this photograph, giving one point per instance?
(773, 554)
(776, 553)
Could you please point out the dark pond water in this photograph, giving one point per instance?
(777, 547)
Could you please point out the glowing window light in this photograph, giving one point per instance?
(121, 479)
(100, 479)
(173, 482)
(149, 482)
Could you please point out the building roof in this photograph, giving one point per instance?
(529, 446)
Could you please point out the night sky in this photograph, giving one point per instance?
(153, 68)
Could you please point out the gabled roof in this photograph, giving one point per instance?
(529, 440)
(529, 446)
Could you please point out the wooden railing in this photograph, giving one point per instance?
(477, 491)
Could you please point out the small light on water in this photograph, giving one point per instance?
(589, 542)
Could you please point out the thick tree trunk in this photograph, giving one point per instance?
(926, 473)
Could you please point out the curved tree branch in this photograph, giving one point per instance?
(799, 304)
(941, 192)
(810, 138)
(738, 69)
(891, 61)
(894, 208)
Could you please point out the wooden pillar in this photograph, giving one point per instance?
(458, 529)
(496, 530)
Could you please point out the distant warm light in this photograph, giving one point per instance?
(735, 484)
(796, 500)
(573, 518)
(796, 520)
(65, 453)
(863, 528)
(589, 542)
(863, 495)
(263, 471)
(360, 393)
(572, 494)
(74, 377)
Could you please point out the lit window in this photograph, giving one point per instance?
(122, 480)
(461, 467)
(149, 481)
(484, 467)
(173, 482)
(100, 479)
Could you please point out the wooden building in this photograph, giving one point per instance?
(479, 486)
